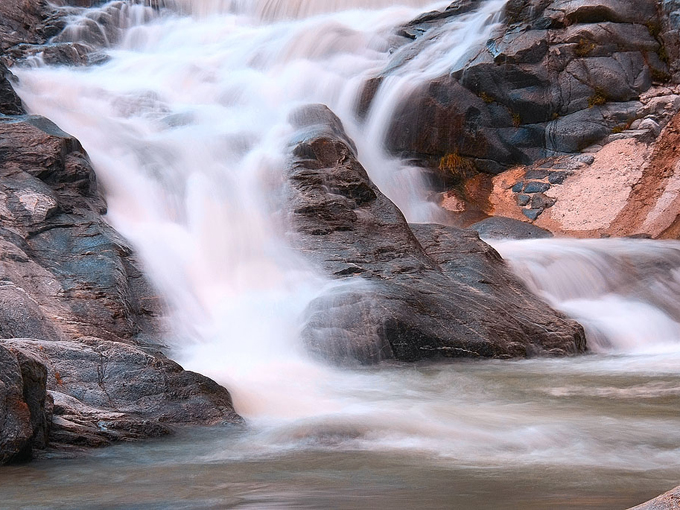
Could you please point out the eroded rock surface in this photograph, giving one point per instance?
(406, 293)
(558, 77)
(91, 372)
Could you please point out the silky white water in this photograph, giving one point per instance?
(186, 127)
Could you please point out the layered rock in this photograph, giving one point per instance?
(72, 283)
(80, 329)
(406, 293)
(25, 410)
(558, 77)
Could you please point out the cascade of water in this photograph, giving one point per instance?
(186, 127)
(625, 292)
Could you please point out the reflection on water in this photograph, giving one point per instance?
(594, 432)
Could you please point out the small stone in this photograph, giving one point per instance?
(517, 188)
(532, 214)
(650, 125)
(536, 174)
(546, 164)
(557, 177)
(541, 201)
(523, 200)
(587, 159)
(536, 187)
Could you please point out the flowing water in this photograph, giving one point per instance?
(186, 126)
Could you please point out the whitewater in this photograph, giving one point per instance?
(185, 122)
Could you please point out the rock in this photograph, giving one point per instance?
(532, 214)
(108, 391)
(557, 177)
(523, 200)
(536, 174)
(72, 285)
(519, 187)
(24, 418)
(10, 104)
(559, 77)
(72, 273)
(650, 125)
(498, 227)
(21, 22)
(586, 159)
(667, 501)
(405, 293)
(536, 187)
(541, 201)
(15, 417)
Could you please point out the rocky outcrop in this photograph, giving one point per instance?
(71, 282)
(108, 391)
(80, 330)
(558, 77)
(406, 293)
(667, 501)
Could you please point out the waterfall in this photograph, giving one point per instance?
(625, 292)
(185, 123)
(186, 126)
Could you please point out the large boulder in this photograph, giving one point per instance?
(405, 293)
(557, 77)
(108, 391)
(67, 271)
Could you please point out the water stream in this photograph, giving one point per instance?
(186, 127)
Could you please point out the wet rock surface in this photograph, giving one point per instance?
(104, 392)
(73, 284)
(557, 77)
(405, 293)
(92, 372)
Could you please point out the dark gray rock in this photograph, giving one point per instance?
(402, 293)
(532, 214)
(519, 187)
(10, 104)
(536, 174)
(523, 200)
(498, 227)
(536, 187)
(559, 77)
(108, 391)
(557, 177)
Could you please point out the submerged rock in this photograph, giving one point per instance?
(405, 293)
